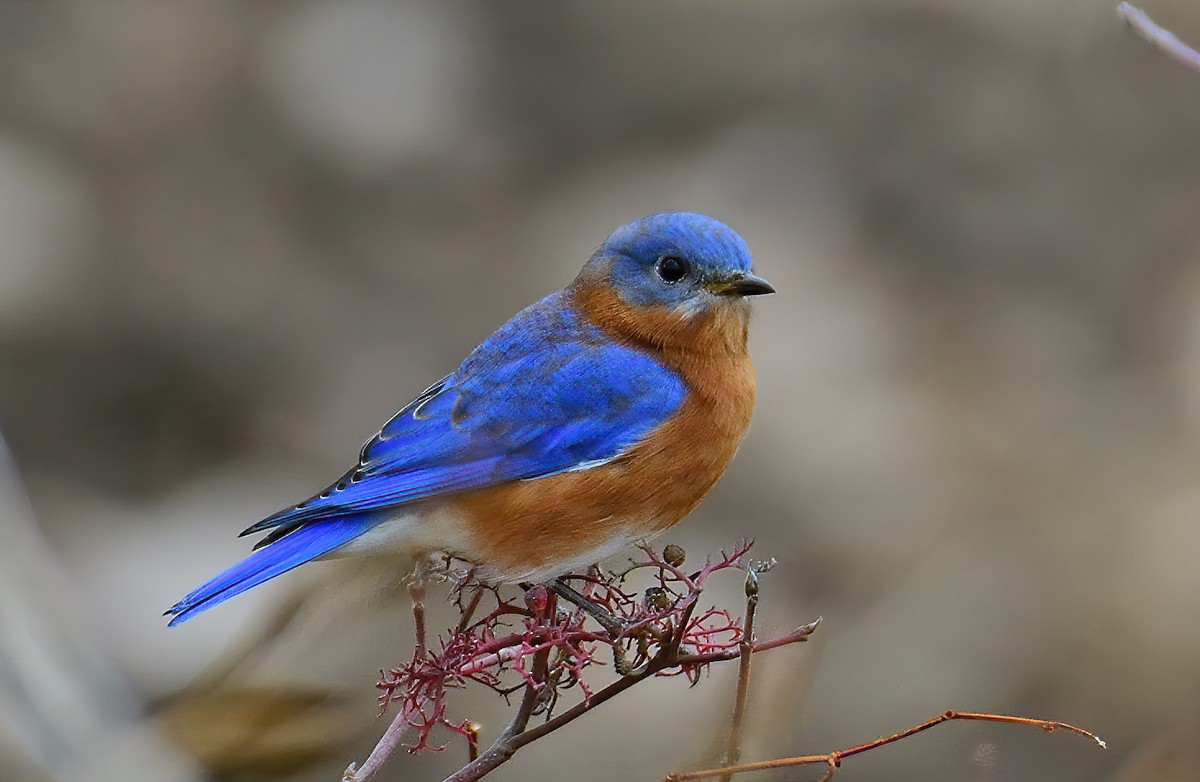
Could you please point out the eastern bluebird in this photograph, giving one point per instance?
(594, 419)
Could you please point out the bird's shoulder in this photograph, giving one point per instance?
(550, 328)
(546, 374)
(550, 364)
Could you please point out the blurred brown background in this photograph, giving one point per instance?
(235, 237)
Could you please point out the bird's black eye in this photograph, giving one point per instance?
(672, 268)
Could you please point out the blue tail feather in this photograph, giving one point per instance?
(306, 543)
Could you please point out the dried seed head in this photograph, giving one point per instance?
(657, 599)
(674, 555)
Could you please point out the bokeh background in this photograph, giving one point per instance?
(235, 237)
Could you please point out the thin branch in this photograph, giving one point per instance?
(383, 750)
(532, 691)
(685, 617)
(1158, 37)
(834, 759)
(468, 611)
(733, 749)
(550, 650)
(799, 635)
(417, 592)
(507, 745)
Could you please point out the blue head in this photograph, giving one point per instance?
(684, 262)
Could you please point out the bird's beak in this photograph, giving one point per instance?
(741, 284)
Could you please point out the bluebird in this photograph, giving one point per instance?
(595, 419)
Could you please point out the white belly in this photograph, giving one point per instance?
(426, 529)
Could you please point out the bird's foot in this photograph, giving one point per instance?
(612, 624)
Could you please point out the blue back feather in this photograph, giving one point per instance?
(546, 393)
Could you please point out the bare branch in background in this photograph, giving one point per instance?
(63, 705)
(1162, 39)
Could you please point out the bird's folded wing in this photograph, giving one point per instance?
(516, 409)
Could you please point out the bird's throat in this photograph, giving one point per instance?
(717, 331)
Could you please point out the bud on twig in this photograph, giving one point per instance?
(751, 584)
(657, 599)
(674, 555)
(473, 730)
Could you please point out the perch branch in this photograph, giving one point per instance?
(508, 743)
(383, 749)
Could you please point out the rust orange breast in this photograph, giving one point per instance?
(527, 525)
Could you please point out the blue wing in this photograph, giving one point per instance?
(546, 393)
(305, 544)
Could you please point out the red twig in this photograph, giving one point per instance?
(507, 745)
(543, 651)
(391, 739)
(834, 759)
